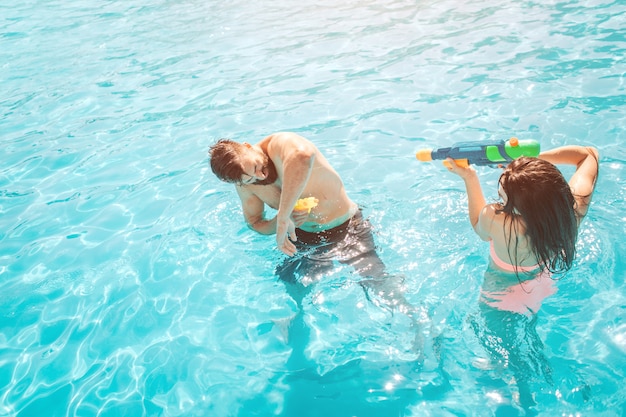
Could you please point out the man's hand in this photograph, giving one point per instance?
(300, 216)
(286, 230)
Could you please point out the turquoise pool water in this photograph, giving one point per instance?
(131, 287)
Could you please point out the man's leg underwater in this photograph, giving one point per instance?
(358, 250)
(299, 274)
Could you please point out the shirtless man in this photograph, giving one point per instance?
(278, 171)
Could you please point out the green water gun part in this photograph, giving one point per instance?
(487, 153)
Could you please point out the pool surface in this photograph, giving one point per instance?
(132, 287)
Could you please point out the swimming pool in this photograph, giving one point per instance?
(131, 286)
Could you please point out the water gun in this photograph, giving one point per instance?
(491, 153)
(307, 203)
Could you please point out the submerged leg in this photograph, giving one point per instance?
(511, 339)
(358, 250)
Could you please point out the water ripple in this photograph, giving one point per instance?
(131, 285)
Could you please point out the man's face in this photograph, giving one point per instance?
(258, 168)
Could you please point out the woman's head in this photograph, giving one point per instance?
(537, 191)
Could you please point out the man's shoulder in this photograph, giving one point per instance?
(282, 136)
(278, 145)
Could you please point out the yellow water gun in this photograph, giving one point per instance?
(307, 203)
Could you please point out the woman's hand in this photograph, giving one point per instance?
(464, 172)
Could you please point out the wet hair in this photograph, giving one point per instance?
(537, 191)
(225, 162)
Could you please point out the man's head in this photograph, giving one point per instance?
(241, 163)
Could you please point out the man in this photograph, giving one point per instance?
(279, 170)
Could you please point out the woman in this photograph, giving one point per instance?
(532, 234)
(534, 228)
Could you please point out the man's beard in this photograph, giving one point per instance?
(272, 175)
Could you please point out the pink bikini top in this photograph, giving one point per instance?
(507, 266)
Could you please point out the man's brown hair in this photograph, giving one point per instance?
(225, 161)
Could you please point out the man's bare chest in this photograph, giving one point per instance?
(269, 194)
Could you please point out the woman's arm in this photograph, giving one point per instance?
(583, 181)
(475, 198)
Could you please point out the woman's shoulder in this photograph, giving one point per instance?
(493, 222)
(500, 226)
(490, 220)
(491, 214)
(492, 209)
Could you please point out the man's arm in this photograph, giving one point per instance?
(297, 156)
(253, 212)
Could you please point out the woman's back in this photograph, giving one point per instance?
(537, 221)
